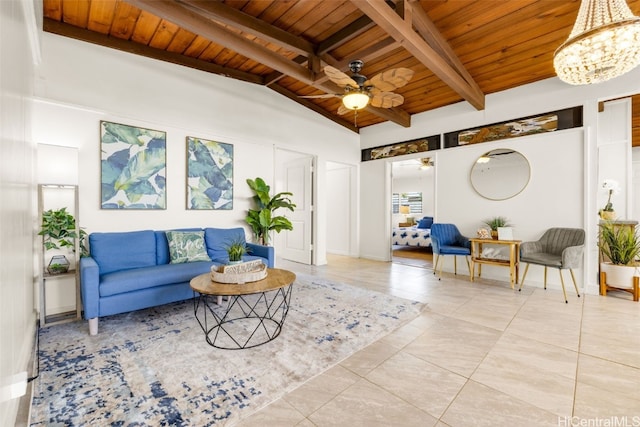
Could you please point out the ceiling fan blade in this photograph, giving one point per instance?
(386, 100)
(325, 95)
(342, 110)
(391, 79)
(339, 78)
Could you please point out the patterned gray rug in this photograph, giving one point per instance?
(153, 367)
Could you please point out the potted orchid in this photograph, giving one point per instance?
(612, 187)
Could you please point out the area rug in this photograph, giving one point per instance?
(153, 367)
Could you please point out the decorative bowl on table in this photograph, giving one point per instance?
(250, 271)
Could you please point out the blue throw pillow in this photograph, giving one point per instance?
(426, 222)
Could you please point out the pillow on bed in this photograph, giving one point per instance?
(426, 222)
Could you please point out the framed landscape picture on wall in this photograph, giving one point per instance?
(133, 167)
(209, 174)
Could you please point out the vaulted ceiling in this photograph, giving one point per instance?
(459, 50)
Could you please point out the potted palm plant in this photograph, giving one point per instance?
(621, 245)
(262, 220)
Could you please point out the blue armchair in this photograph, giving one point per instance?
(446, 239)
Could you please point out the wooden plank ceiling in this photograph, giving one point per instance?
(459, 50)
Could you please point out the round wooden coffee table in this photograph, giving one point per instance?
(254, 312)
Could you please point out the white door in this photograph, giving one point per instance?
(298, 180)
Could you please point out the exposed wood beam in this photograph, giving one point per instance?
(371, 53)
(62, 29)
(186, 18)
(428, 30)
(395, 115)
(293, 96)
(190, 20)
(227, 15)
(349, 32)
(403, 32)
(273, 77)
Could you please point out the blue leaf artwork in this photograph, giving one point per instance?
(209, 174)
(133, 167)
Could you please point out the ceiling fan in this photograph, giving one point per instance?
(425, 163)
(360, 91)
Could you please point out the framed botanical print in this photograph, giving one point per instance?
(209, 174)
(133, 167)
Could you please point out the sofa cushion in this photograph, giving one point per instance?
(186, 246)
(217, 240)
(135, 279)
(115, 251)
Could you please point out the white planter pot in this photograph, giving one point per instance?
(620, 275)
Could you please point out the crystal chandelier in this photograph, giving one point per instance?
(604, 43)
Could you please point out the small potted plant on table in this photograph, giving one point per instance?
(235, 249)
(494, 223)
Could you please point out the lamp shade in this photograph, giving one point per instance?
(405, 210)
(355, 100)
(604, 43)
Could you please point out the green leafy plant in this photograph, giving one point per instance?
(620, 244)
(58, 229)
(497, 221)
(235, 249)
(261, 220)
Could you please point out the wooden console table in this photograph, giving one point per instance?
(513, 262)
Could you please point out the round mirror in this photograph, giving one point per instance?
(500, 174)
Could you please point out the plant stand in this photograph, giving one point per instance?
(54, 196)
(634, 290)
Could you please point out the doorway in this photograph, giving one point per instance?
(295, 175)
(412, 199)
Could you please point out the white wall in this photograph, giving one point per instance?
(563, 188)
(17, 201)
(80, 84)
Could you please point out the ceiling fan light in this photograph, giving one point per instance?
(355, 100)
(604, 43)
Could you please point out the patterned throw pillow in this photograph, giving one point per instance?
(186, 246)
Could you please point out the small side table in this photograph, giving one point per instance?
(513, 262)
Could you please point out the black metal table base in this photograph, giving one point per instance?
(247, 320)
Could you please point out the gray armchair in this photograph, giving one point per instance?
(559, 248)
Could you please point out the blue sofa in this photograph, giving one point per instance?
(132, 270)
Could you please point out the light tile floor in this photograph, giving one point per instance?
(480, 354)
